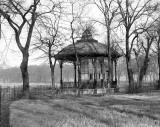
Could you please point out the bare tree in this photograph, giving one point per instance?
(50, 44)
(157, 47)
(22, 18)
(109, 10)
(142, 52)
(131, 13)
(74, 33)
(77, 63)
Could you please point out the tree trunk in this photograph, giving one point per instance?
(52, 67)
(110, 68)
(131, 88)
(158, 86)
(158, 47)
(25, 75)
(61, 74)
(52, 76)
(143, 71)
(75, 74)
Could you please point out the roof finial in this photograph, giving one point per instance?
(87, 34)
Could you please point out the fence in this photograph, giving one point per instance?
(7, 95)
(44, 91)
(10, 94)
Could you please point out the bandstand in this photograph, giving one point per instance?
(93, 63)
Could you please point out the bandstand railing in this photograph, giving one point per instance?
(99, 91)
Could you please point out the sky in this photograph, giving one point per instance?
(10, 54)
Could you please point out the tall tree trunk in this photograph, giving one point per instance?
(158, 87)
(53, 79)
(142, 72)
(25, 75)
(52, 67)
(51, 64)
(131, 88)
(75, 74)
(78, 61)
(143, 69)
(110, 67)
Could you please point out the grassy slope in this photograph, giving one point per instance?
(108, 111)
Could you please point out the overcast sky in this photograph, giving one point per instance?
(12, 56)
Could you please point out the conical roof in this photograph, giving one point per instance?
(86, 47)
(87, 35)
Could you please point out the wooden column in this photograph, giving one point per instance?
(79, 73)
(102, 72)
(61, 74)
(111, 73)
(75, 75)
(95, 73)
(79, 76)
(115, 67)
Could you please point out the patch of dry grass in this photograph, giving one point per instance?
(87, 111)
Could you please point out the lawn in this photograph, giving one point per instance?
(142, 110)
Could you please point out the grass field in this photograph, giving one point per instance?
(142, 110)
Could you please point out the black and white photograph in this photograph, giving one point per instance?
(79, 63)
